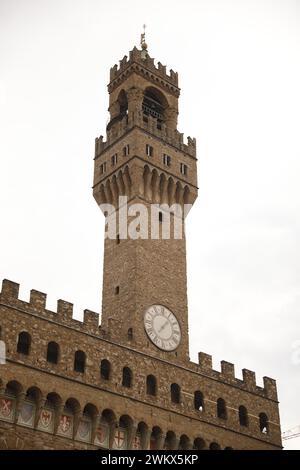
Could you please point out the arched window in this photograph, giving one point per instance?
(151, 385)
(175, 393)
(127, 377)
(13, 388)
(198, 401)
(154, 104)
(184, 443)
(214, 446)
(155, 438)
(79, 361)
(170, 441)
(122, 109)
(221, 409)
(105, 369)
(52, 352)
(123, 103)
(263, 423)
(243, 416)
(199, 444)
(24, 342)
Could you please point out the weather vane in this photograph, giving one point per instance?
(143, 38)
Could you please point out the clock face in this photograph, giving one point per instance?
(162, 327)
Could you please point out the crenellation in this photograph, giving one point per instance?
(134, 54)
(227, 370)
(99, 145)
(38, 300)
(162, 68)
(249, 379)
(91, 320)
(113, 72)
(37, 303)
(123, 63)
(174, 76)
(205, 361)
(270, 388)
(135, 57)
(65, 309)
(172, 137)
(10, 289)
(227, 374)
(150, 63)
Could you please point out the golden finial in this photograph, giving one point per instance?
(143, 40)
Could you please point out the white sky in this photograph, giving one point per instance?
(239, 70)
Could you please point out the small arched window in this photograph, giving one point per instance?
(221, 409)
(52, 352)
(79, 361)
(127, 377)
(24, 343)
(243, 416)
(105, 369)
(130, 334)
(123, 103)
(175, 393)
(151, 385)
(263, 423)
(214, 446)
(198, 401)
(199, 444)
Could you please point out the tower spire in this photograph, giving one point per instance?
(143, 38)
(143, 43)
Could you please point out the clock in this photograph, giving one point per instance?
(162, 327)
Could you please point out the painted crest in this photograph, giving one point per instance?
(136, 445)
(102, 435)
(46, 418)
(65, 425)
(120, 439)
(6, 408)
(84, 429)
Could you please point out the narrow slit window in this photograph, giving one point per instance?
(149, 150)
(175, 393)
(102, 168)
(126, 150)
(183, 169)
(166, 159)
(114, 159)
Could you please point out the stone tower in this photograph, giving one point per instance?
(128, 383)
(145, 159)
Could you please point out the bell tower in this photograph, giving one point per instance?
(145, 167)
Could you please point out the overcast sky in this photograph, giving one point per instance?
(239, 71)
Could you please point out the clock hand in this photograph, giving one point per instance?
(163, 326)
